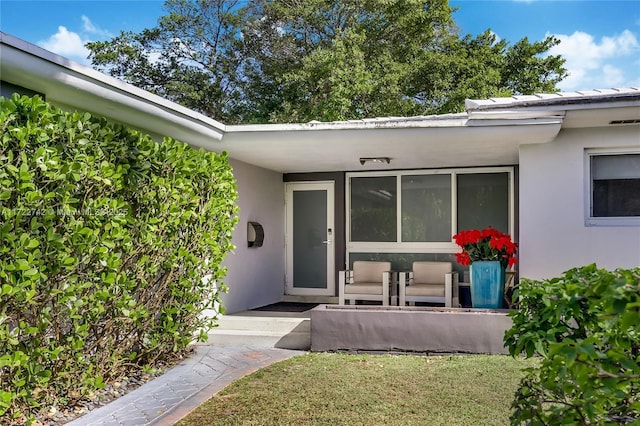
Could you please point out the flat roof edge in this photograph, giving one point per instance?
(101, 79)
(560, 99)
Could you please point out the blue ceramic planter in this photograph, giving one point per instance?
(487, 284)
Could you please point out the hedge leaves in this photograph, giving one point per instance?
(110, 247)
(585, 325)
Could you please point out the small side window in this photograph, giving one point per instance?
(614, 189)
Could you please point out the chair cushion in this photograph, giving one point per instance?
(363, 288)
(433, 290)
(430, 272)
(369, 272)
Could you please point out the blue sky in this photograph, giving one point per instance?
(599, 38)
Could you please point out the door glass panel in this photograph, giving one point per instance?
(309, 239)
(373, 209)
(483, 200)
(426, 208)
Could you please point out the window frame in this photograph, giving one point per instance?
(591, 220)
(421, 247)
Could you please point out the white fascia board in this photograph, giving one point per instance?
(515, 117)
(452, 120)
(471, 119)
(23, 63)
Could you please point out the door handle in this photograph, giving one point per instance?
(327, 242)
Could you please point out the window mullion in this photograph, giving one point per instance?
(512, 203)
(454, 204)
(398, 208)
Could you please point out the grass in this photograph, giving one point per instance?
(342, 389)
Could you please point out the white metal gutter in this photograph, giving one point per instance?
(68, 83)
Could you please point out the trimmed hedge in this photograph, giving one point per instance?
(110, 247)
(585, 326)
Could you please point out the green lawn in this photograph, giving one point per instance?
(333, 389)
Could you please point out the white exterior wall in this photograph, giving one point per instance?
(255, 276)
(553, 234)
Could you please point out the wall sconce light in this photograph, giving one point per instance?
(375, 160)
(255, 234)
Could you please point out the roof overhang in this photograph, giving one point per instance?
(72, 86)
(427, 142)
(582, 109)
(490, 133)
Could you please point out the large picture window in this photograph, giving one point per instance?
(483, 200)
(420, 211)
(614, 188)
(373, 208)
(426, 208)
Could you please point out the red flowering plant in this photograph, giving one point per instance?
(487, 244)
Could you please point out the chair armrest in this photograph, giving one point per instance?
(451, 290)
(404, 278)
(387, 278)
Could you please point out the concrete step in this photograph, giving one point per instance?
(263, 323)
(265, 339)
(289, 330)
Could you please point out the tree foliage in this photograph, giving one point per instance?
(190, 57)
(110, 247)
(295, 61)
(585, 326)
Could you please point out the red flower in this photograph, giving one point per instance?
(463, 258)
(487, 244)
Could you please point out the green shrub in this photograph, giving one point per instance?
(586, 327)
(105, 238)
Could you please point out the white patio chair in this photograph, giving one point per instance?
(367, 281)
(433, 282)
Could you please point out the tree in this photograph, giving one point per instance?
(335, 60)
(191, 57)
(295, 61)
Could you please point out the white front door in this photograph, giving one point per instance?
(310, 239)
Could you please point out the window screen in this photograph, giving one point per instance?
(374, 209)
(483, 200)
(615, 185)
(426, 208)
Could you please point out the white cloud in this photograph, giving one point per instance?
(594, 64)
(613, 76)
(498, 38)
(90, 28)
(67, 43)
(71, 44)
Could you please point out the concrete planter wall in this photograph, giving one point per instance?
(414, 329)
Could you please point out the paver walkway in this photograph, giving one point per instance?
(170, 397)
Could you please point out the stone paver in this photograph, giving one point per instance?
(173, 395)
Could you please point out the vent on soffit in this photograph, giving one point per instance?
(630, 121)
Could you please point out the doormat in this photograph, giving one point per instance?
(287, 307)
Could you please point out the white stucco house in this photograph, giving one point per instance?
(559, 172)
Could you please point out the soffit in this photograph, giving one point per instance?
(464, 145)
(600, 117)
